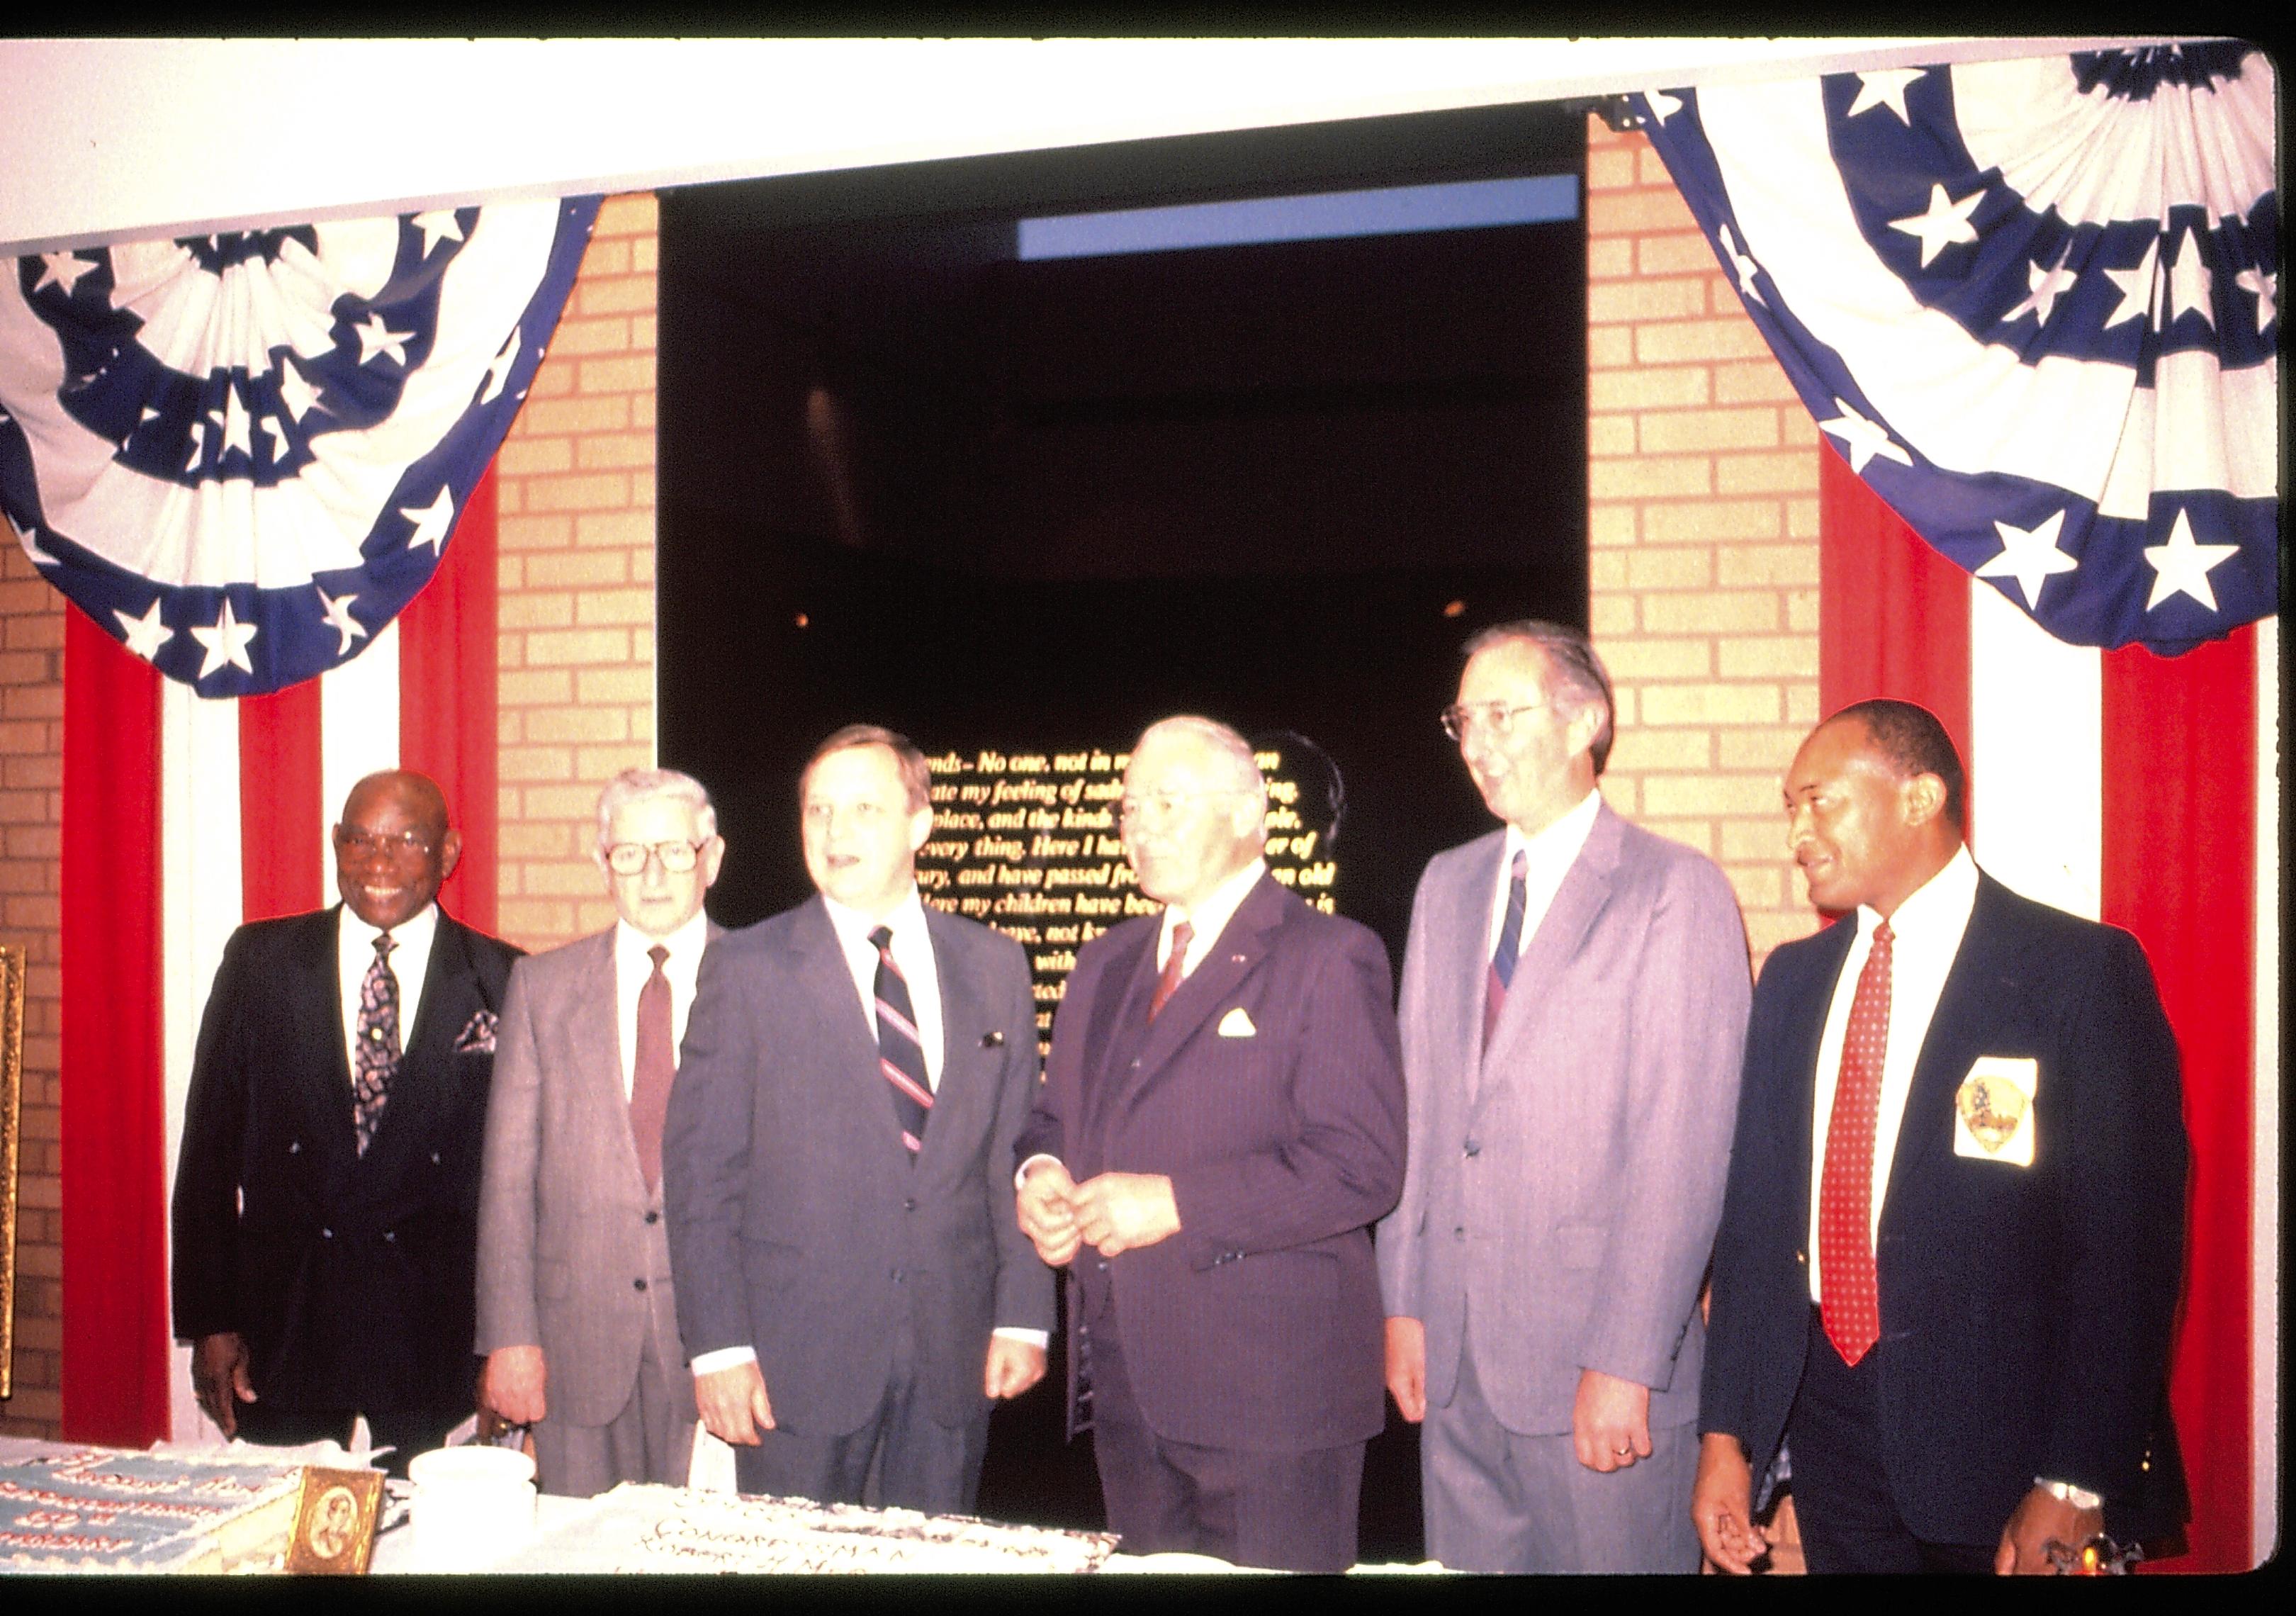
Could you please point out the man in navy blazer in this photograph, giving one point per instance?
(1222, 1119)
(1964, 1345)
(851, 1281)
(324, 1268)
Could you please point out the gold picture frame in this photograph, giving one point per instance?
(11, 1096)
(335, 1523)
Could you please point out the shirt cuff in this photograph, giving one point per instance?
(1021, 1176)
(724, 1357)
(1041, 1340)
(2065, 1492)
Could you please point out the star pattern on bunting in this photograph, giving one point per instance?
(1885, 88)
(499, 368)
(437, 224)
(1662, 105)
(144, 634)
(1862, 439)
(2188, 281)
(2043, 288)
(2261, 286)
(227, 643)
(2182, 567)
(296, 391)
(2029, 555)
(432, 522)
(233, 422)
(336, 612)
(62, 269)
(29, 537)
(1744, 266)
(2140, 287)
(1944, 225)
(376, 338)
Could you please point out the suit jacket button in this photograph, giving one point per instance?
(390, 1236)
(909, 1203)
(1459, 1232)
(326, 1234)
(638, 1285)
(434, 1157)
(653, 1217)
(1102, 1264)
(294, 1148)
(1473, 1148)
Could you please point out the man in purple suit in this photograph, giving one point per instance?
(1221, 1120)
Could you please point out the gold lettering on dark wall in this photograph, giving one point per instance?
(1027, 842)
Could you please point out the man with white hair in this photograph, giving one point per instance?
(577, 1317)
(1221, 1121)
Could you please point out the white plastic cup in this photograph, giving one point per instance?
(472, 1505)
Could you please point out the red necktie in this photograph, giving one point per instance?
(1851, 1303)
(656, 1065)
(1175, 967)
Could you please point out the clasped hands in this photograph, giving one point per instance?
(1110, 1212)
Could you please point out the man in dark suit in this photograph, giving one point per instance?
(837, 1165)
(1574, 1011)
(326, 1196)
(1221, 1121)
(576, 1314)
(1951, 1241)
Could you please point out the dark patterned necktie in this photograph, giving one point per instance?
(377, 1051)
(1509, 949)
(655, 1066)
(1175, 967)
(901, 1049)
(1850, 1303)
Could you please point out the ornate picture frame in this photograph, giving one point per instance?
(11, 1089)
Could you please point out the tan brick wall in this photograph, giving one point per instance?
(31, 827)
(576, 482)
(1704, 520)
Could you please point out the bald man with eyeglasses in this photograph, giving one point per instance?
(577, 1314)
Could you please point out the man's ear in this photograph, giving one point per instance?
(1924, 798)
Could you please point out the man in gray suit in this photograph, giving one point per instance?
(852, 1280)
(577, 1317)
(1574, 1005)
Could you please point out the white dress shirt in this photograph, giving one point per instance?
(1547, 859)
(1927, 930)
(1209, 918)
(410, 964)
(634, 966)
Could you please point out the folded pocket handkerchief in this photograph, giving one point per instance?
(478, 1035)
(1237, 1024)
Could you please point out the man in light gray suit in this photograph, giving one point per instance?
(577, 1317)
(852, 1279)
(1574, 1005)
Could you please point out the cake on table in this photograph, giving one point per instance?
(640, 1526)
(74, 1507)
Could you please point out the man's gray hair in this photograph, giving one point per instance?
(636, 785)
(1224, 740)
(1580, 679)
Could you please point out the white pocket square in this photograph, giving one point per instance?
(1237, 1024)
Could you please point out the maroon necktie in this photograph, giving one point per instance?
(1851, 1303)
(656, 1065)
(1175, 967)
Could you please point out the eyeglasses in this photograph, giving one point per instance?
(630, 857)
(360, 843)
(1490, 716)
(1161, 805)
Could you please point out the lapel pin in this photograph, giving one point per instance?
(992, 1040)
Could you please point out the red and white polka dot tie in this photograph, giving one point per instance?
(1851, 1302)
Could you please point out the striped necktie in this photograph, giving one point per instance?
(1509, 949)
(900, 1050)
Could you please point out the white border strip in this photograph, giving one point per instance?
(2037, 768)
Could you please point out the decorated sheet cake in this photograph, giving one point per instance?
(67, 1507)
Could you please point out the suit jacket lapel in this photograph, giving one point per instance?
(1798, 1048)
(966, 1013)
(318, 995)
(1979, 988)
(1234, 955)
(595, 1033)
(1561, 931)
(849, 1033)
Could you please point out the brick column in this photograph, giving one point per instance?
(577, 580)
(1702, 521)
(31, 821)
